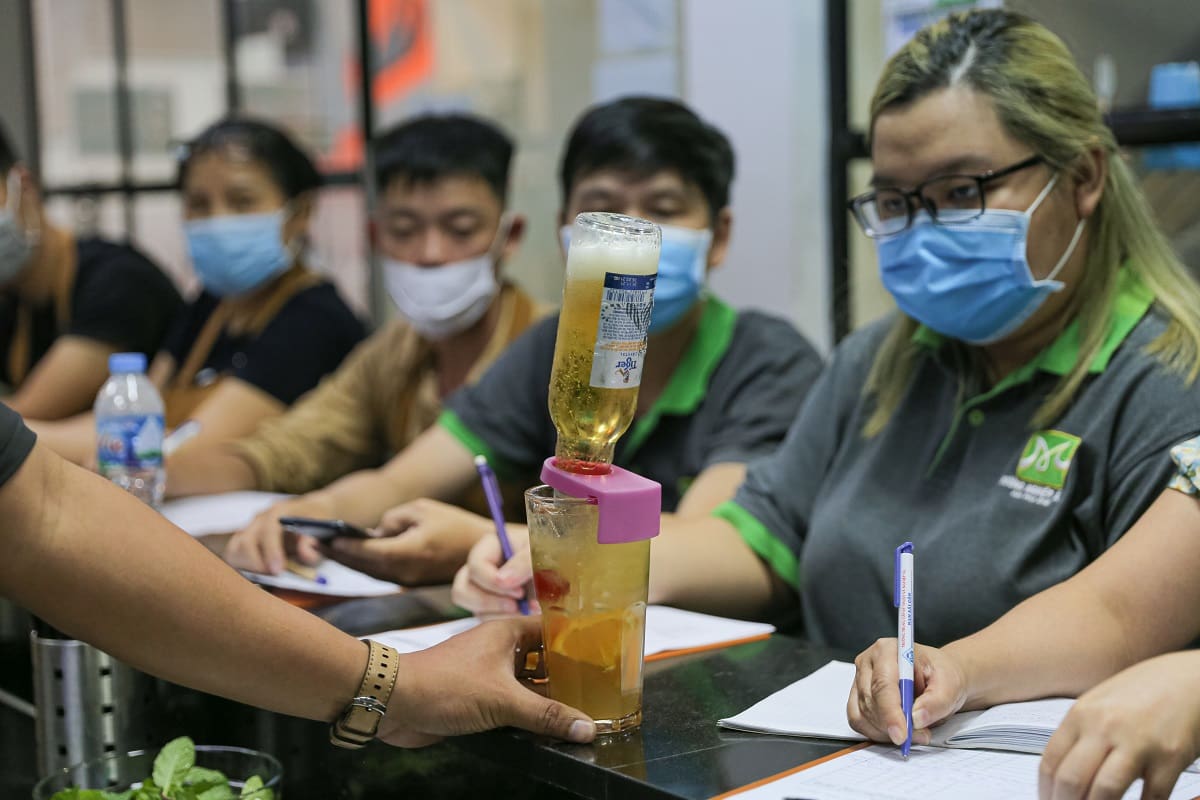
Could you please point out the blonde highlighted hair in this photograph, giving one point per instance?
(1044, 101)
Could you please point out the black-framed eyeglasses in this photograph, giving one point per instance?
(948, 199)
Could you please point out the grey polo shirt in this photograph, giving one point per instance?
(731, 398)
(996, 511)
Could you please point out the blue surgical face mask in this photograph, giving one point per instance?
(682, 267)
(970, 281)
(16, 244)
(237, 253)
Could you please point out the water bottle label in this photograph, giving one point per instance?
(133, 441)
(621, 336)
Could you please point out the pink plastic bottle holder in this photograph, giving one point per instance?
(630, 506)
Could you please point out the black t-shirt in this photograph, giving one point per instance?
(15, 443)
(307, 339)
(120, 298)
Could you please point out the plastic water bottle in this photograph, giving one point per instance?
(129, 429)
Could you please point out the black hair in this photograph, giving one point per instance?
(8, 153)
(645, 135)
(433, 146)
(290, 167)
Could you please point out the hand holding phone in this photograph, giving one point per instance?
(322, 529)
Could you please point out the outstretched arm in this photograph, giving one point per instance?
(100, 566)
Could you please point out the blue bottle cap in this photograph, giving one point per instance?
(126, 362)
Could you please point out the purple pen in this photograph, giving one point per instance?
(491, 488)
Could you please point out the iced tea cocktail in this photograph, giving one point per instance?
(608, 293)
(593, 599)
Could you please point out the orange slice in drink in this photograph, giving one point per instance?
(595, 639)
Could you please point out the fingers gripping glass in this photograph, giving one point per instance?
(948, 199)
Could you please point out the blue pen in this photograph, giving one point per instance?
(491, 488)
(902, 597)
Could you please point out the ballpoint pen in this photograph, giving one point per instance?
(491, 488)
(902, 597)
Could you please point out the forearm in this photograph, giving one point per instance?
(208, 470)
(74, 439)
(704, 565)
(1058, 643)
(435, 465)
(1137, 600)
(210, 629)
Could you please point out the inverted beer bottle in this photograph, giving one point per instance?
(608, 294)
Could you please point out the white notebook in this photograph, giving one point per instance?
(816, 706)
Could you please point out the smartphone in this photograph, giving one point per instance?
(322, 529)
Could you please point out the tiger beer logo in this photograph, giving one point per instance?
(625, 367)
(1047, 458)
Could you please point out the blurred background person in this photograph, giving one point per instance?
(67, 302)
(265, 327)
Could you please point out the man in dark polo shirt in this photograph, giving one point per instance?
(67, 303)
(719, 388)
(94, 562)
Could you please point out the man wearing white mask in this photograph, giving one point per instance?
(718, 388)
(67, 303)
(443, 234)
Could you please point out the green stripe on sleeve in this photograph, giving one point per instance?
(777, 554)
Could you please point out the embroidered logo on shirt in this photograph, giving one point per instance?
(1047, 458)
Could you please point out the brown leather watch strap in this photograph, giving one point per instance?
(358, 724)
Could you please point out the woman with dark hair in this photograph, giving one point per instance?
(265, 327)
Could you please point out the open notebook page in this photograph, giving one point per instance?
(879, 773)
(816, 706)
(333, 579)
(666, 629)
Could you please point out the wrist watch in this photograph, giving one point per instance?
(359, 722)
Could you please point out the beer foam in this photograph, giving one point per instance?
(591, 260)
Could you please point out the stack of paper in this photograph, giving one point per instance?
(668, 630)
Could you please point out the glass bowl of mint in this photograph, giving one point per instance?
(180, 770)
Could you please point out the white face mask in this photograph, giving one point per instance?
(447, 299)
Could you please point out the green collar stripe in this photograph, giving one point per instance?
(761, 541)
(450, 422)
(1131, 303)
(689, 380)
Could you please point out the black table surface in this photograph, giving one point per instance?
(679, 752)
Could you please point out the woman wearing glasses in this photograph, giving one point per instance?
(265, 328)
(1015, 417)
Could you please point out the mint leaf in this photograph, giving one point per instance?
(253, 788)
(201, 778)
(220, 792)
(147, 791)
(172, 763)
(81, 794)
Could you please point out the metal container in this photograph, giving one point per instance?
(89, 704)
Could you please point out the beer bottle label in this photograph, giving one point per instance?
(621, 335)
